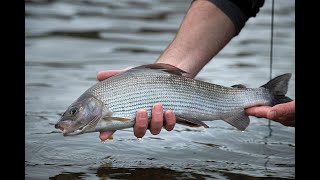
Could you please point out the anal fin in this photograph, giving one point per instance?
(190, 122)
(238, 120)
(120, 119)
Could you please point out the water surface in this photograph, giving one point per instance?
(68, 42)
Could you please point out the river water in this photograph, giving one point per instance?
(68, 42)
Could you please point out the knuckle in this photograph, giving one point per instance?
(157, 119)
(141, 126)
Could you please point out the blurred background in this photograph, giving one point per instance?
(67, 42)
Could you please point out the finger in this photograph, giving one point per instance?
(104, 135)
(260, 112)
(141, 124)
(106, 74)
(282, 111)
(157, 119)
(169, 120)
(282, 116)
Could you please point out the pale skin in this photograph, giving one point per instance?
(204, 31)
(282, 113)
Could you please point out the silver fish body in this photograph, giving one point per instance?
(192, 101)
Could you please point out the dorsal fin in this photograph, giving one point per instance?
(164, 67)
(239, 86)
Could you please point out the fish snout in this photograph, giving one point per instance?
(58, 126)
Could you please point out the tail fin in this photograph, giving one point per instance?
(278, 87)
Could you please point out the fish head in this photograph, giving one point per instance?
(81, 116)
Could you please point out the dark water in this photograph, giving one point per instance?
(68, 42)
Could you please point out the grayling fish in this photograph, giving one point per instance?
(112, 104)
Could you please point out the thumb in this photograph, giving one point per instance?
(281, 110)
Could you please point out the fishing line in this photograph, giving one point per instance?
(271, 39)
(271, 54)
(270, 77)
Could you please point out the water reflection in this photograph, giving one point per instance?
(108, 172)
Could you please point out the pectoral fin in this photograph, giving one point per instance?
(108, 118)
(190, 122)
(120, 119)
(239, 120)
(92, 124)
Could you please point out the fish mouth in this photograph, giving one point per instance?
(67, 129)
(71, 133)
(66, 132)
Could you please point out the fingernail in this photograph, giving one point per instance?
(143, 113)
(170, 112)
(157, 108)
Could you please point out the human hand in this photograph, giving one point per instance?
(282, 113)
(159, 119)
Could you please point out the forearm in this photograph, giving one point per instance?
(204, 31)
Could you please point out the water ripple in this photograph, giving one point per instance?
(68, 42)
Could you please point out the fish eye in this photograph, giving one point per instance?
(73, 111)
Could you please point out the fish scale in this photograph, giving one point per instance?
(141, 90)
(112, 103)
